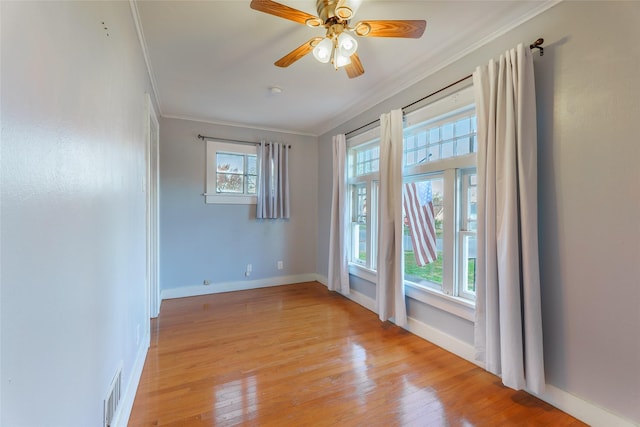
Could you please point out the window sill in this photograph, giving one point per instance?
(229, 199)
(455, 305)
(363, 272)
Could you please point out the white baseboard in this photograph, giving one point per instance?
(216, 288)
(322, 279)
(444, 340)
(581, 409)
(121, 417)
(365, 301)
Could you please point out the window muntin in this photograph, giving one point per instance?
(432, 141)
(236, 173)
(232, 173)
(367, 159)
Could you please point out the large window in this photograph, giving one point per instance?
(232, 173)
(439, 199)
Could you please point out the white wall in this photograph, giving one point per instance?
(588, 121)
(214, 242)
(73, 210)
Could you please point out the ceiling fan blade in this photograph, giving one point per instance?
(354, 69)
(282, 11)
(412, 29)
(298, 52)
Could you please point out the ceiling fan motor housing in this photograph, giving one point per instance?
(326, 9)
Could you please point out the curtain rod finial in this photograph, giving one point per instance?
(538, 45)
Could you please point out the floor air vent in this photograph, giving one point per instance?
(113, 398)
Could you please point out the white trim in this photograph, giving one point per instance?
(444, 340)
(442, 110)
(365, 301)
(121, 417)
(322, 279)
(581, 409)
(143, 45)
(363, 272)
(239, 125)
(216, 288)
(151, 187)
(370, 136)
(454, 305)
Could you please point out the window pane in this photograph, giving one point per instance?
(366, 160)
(359, 225)
(252, 184)
(434, 135)
(252, 168)
(463, 127)
(447, 149)
(229, 183)
(230, 163)
(467, 233)
(434, 153)
(462, 146)
(423, 231)
(468, 261)
(447, 131)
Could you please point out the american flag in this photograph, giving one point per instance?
(419, 213)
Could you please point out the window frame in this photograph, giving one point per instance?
(212, 196)
(368, 269)
(450, 297)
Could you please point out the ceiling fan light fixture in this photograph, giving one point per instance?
(340, 59)
(314, 22)
(322, 52)
(362, 28)
(347, 44)
(345, 9)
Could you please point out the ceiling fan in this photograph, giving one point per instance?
(338, 46)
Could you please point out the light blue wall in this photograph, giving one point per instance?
(201, 241)
(587, 90)
(73, 291)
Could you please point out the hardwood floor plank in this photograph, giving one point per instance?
(299, 355)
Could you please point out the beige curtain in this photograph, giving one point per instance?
(508, 333)
(390, 288)
(338, 246)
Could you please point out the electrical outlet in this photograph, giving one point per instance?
(206, 282)
(280, 265)
(249, 268)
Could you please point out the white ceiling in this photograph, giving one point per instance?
(213, 61)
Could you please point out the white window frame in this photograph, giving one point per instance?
(367, 270)
(450, 298)
(211, 195)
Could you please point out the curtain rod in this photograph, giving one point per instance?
(234, 141)
(535, 45)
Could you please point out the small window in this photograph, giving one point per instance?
(232, 173)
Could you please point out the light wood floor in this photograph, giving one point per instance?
(299, 355)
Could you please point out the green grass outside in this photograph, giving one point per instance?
(432, 272)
